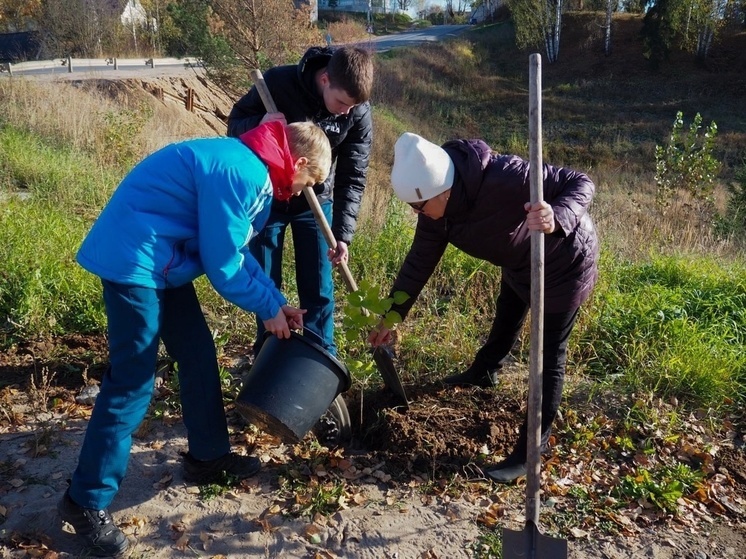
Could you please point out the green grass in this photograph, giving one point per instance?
(53, 175)
(42, 290)
(673, 326)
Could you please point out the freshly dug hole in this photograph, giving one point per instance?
(443, 432)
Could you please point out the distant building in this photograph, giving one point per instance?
(362, 6)
(134, 14)
(484, 11)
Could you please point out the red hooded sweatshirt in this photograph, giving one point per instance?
(270, 143)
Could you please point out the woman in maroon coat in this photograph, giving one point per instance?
(479, 202)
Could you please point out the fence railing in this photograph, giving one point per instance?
(87, 64)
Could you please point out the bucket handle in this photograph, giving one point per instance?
(306, 331)
(319, 340)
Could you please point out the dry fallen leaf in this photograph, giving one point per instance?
(182, 543)
(312, 533)
(578, 533)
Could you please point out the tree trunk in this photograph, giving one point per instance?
(607, 29)
(704, 40)
(553, 14)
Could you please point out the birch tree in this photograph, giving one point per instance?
(688, 24)
(708, 16)
(610, 5)
(538, 23)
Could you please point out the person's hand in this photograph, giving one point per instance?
(278, 325)
(294, 317)
(540, 217)
(269, 117)
(338, 255)
(379, 336)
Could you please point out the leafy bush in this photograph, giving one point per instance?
(686, 163)
(661, 487)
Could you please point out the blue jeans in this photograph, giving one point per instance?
(137, 318)
(313, 271)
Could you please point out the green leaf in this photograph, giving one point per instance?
(391, 319)
(400, 297)
(355, 298)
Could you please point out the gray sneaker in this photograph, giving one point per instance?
(95, 528)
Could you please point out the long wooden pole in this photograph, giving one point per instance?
(313, 202)
(536, 354)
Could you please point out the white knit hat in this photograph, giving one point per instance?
(421, 170)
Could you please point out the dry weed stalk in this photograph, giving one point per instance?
(40, 390)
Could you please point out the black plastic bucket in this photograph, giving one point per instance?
(290, 385)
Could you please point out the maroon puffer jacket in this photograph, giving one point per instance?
(485, 218)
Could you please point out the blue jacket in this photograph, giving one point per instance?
(188, 209)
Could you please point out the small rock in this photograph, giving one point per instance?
(88, 395)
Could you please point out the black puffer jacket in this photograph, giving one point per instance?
(294, 91)
(486, 219)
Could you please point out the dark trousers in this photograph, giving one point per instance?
(510, 314)
(313, 271)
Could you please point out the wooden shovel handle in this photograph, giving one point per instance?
(313, 202)
(536, 353)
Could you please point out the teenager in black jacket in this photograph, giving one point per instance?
(330, 87)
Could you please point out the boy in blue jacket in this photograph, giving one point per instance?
(188, 209)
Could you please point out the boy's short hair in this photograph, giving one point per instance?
(305, 139)
(351, 69)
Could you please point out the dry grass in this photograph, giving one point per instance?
(346, 30)
(103, 118)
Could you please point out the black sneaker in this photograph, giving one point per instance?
(95, 528)
(211, 471)
(473, 376)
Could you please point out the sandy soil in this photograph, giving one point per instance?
(166, 518)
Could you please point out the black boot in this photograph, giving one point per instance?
(476, 375)
(95, 528)
(508, 470)
(514, 466)
(212, 471)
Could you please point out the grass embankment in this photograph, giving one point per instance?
(666, 322)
